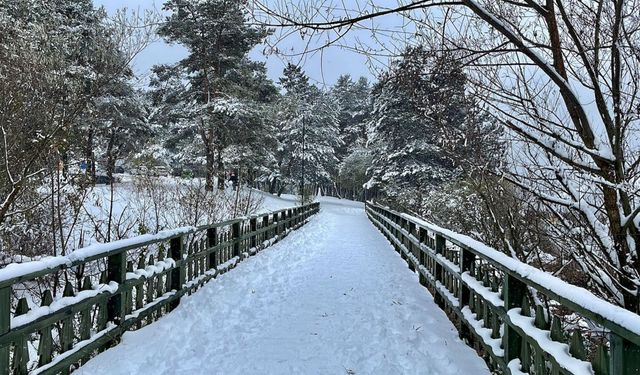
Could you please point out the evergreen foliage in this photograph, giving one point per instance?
(220, 99)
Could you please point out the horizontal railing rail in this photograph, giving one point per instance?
(89, 298)
(490, 296)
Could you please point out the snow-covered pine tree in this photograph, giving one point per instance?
(120, 124)
(407, 158)
(354, 101)
(352, 174)
(307, 134)
(436, 85)
(219, 37)
(425, 128)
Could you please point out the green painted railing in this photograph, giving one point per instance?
(490, 297)
(119, 286)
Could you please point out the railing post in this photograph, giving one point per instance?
(265, 224)
(625, 356)
(466, 261)
(396, 235)
(441, 244)
(253, 224)
(514, 292)
(5, 326)
(405, 240)
(178, 275)
(212, 241)
(274, 224)
(411, 247)
(273, 232)
(294, 217)
(235, 235)
(116, 271)
(422, 233)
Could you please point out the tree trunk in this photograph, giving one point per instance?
(111, 160)
(207, 139)
(209, 168)
(89, 157)
(220, 167)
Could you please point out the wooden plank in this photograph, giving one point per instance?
(441, 244)
(66, 333)
(20, 350)
(265, 228)
(212, 241)
(176, 249)
(85, 314)
(235, 236)
(149, 289)
(103, 307)
(422, 233)
(116, 271)
(253, 223)
(45, 344)
(5, 326)
(514, 292)
(625, 356)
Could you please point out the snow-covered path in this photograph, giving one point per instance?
(331, 298)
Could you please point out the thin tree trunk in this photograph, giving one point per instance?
(220, 168)
(89, 157)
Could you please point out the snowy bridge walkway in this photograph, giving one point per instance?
(331, 298)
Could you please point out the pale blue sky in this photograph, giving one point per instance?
(322, 67)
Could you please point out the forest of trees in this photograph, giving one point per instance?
(485, 136)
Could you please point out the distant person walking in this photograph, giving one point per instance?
(234, 180)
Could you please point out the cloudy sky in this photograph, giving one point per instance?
(323, 67)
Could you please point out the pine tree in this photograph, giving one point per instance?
(353, 173)
(408, 155)
(218, 37)
(353, 99)
(354, 103)
(120, 123)
(307, 134)
(436, 85)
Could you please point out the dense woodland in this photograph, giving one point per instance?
(458, 130)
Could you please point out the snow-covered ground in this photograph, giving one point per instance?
(272, 202)
(332, 298)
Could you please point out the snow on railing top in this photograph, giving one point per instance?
(579, 296)
(24, 271)
(16, 272)
(581, 300)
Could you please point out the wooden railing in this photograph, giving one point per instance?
(111, 288)
(490, 298)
